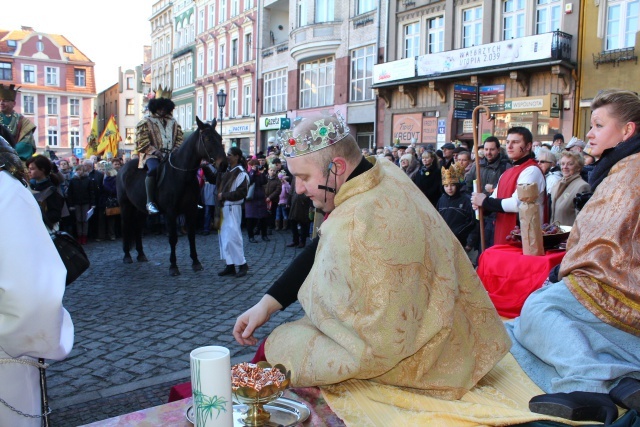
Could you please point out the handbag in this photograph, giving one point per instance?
(251, 191)
(72, 254)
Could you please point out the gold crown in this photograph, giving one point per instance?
(163, 93)
(453, 175)
(322, 133)
(8, 93)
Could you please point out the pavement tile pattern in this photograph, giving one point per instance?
(135, 325)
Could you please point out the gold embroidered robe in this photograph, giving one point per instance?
(149, 137)
(391, 297)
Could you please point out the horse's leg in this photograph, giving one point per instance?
(191, 218)
(140, 219)
(127, 223)
(173, 240)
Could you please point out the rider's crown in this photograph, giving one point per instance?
(8, 93)
(164, 92)
(310, 135)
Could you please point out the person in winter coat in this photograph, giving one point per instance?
(454, 206)
(409, 165)
(108, 195)
(272, 190)
(81, 196)
(255, 210)
(428, 177)
(282, 213)
(45, 186)
(298, 217)
(208, 200)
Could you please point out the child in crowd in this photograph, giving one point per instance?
(81, 196)
(455, 207)
(282, 212)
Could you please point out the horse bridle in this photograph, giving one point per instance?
(200, 142)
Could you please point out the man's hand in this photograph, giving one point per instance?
(477, 199)
(253, 318)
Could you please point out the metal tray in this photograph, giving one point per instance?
(284, 413)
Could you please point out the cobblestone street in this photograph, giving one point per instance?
(135, 325)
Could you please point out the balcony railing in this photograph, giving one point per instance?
(561, 45)
(615, 56)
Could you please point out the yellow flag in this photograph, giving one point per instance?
(108, 142)
(92, 141)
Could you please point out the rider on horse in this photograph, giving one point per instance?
(156, 134)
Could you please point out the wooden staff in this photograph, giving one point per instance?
(476, 130)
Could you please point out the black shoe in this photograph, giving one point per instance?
(292, 244)
(627, 393)
(576, 406)
(228, 270)
(242, 271)
(265, 239)
(253, 240)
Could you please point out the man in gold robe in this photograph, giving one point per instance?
(388, 292)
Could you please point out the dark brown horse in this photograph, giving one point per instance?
(177, 193)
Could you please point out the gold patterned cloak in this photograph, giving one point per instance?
(602, 266)
(391, 297)
(156, 133)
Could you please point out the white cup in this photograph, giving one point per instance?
(211, 386)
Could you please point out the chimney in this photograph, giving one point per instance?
(25, 28)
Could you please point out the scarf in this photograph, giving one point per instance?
(610, 157)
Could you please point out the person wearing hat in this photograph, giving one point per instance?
(34, 322)
(575, 144)
(558, 142)
(156, 134)
(454, 205)
(20, 127)
(447, 155)
(358, 281)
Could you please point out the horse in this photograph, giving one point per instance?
(177, 192)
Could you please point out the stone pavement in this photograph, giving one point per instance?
(135, 325)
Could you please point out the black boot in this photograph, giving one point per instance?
(242, 270)
(228, 270)
(627, 393)
(576, 406)
(150, 185)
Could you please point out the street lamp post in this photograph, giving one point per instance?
(222, 101)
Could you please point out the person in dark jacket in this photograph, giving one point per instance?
(272, 190)
(298, 217)
(109, 196)
(48, 195)
(429, 177)
(454, 206)
(81, 195)
(255, 210)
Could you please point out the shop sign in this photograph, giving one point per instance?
(239, 128)
(467, 126)
(442, 128)
(394, 70)
(465, 99)
(492, 97)
(270, 123)
(549, 103)
(429, 130)
(406, 127)
(505, 52)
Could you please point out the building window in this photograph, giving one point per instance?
(51, 76)
(362, 73)
(512, 19)
(68, 49)
(246, 100)
(223, 11)
(221, 57)
(29, 72)
(435, 35)
(210, 106)
(189, 117)
(365, 6)
(200, 63)
(248, 4)
(40, 46)
(52, 137)
(129, 83)
(74, 107)
(131, 108)
(74, 138)
(622, 24)
(211, 55)
(472, 27)
(547, 16)
(200, 21)
(80, 77)
(130, 136)
(212, 12)
(176, 75)
(28, 104)
(317, 83)
(5, 71)
(275, 91)
(248, 45)
(324, 11)
(168, 48)
(189, 76)
(411, 37)
(233, 102)
(302, 13)
(200, 106)
(235, 7)
(52, 106)
(234, 52)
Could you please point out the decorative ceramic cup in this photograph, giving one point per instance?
(211, 385)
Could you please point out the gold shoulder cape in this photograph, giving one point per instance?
(391, 297)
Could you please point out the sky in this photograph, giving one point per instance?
(111, 34)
